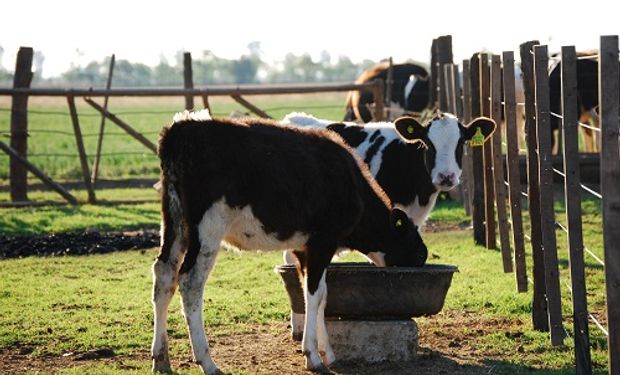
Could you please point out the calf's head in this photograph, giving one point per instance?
(407, 248)
(444, 137)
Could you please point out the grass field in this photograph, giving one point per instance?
(53, 308)
(52, 147)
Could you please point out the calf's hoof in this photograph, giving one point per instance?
(297, 336)
(162, 366)
(328, 358)
(314, 364)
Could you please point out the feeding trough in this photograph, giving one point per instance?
(362, 291)
(369, 309)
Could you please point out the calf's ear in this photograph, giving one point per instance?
(410, 129)
(399, 219)
(483, 125)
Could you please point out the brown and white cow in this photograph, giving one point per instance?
(260, 185)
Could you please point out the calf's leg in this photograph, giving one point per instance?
(199, 261)
(165, 281)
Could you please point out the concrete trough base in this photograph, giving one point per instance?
(373, 341)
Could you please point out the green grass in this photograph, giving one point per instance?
(68, 304)
(54, 219)
(56, 153)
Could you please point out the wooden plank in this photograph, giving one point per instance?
(81, 151)
(545, 173)
(458, 109)
(377, 94)
(477, 160)
(18, 173)
(220, 90)
(444, 56)
(188, 80)
(37, 172)
(467, 151)
(432, 87)
(131, 131)
(489, 184)
(498, 163)
(205, 102)
(572, 197)
(388, 90)
(448, 80)
(610, 189)
(442, 88)
(102, 124)
(513, 173)
(250, 106)
(539, 303)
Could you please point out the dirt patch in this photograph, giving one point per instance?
(445, 348)
(77, 243)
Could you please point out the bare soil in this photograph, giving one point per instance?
(268, 349)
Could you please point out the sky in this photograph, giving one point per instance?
(76, 32)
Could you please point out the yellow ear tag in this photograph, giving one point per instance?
(478, 139)
(399, 223)
(410, 129)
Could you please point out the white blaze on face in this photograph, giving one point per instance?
(444, 133)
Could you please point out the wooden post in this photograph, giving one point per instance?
(610, 189)
(448, 84)
(513, 173)
(19, 125)
(467, 151)
(131, 131)
(81, 151)
(389, 84)
(547, 215)
(377, 93)
(477, 160)
(456, 91)
(250, 106)
(432, 97)
(37, 172)
(444, 56)
(442, 88)
(205, 102)
(188, 79)
(572, 197)
(498, 163)
(489, 188)
(102, 124)
(539, 304)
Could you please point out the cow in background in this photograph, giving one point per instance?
(410, 91)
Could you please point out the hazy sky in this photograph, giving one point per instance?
(142, 31)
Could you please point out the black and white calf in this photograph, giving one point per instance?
(412, 163)
(259, 185)
(410, 91)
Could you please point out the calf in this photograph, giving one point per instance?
(411, 168)
(411, 162)
(409, 91)
(259, 185)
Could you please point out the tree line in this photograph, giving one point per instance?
(207, 68)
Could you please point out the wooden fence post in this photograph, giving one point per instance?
(539, 304)
(513, 173)
(547, 215)
(102, 124)
(388, 88)
(489, 188)
(377, 94)
(444, 56)
(498, 163)
(467, 151)
(477, 160)
(572, 197)
(81, 151)
(188, 79)
(19, 125)
(610, 190)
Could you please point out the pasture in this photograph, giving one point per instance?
(92, 314)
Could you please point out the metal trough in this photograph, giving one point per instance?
(357, 291)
